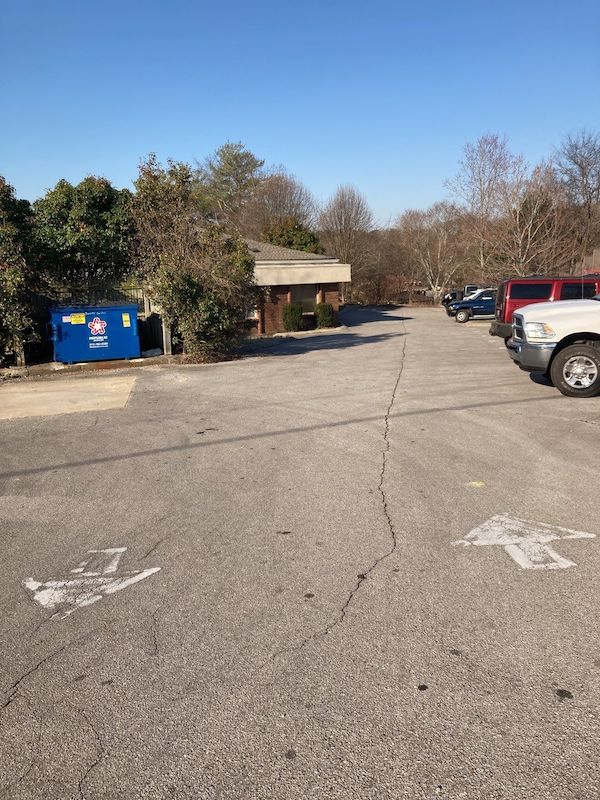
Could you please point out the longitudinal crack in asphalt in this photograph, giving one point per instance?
(98, 757)
(35, 748)
(154, 547)
(13, 690)
(388, 519)
(154, 630)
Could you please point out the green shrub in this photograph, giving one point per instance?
(205, 298)
(292, 317)
(324, 315)
(15, 322)
(289, 232)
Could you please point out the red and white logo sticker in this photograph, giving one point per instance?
(97, 326)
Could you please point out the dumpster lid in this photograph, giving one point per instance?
(92, 309)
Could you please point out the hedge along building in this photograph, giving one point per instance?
(293, 276)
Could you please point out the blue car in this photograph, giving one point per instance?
(480, 305)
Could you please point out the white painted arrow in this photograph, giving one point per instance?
(526, 542)
(105, 562)
(89, 586)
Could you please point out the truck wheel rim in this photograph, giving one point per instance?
(580, 372)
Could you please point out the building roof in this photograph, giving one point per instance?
(282, 266)
(264, 251)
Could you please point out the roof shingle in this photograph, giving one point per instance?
(264, 251)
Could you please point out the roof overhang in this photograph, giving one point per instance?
(272, 273)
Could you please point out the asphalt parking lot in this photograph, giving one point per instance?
(287, 597)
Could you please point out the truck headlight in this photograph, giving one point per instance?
(539, 330)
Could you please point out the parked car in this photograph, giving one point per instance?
(518, 292)
(458, 294)
(562, 340)
(452, 296)
(480, 305)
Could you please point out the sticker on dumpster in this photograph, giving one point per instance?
(126, 320)
(77, 319)
(527, 543)
(97, 326)
(66, 319)
(95, 577)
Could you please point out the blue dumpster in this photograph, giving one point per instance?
(95, 333)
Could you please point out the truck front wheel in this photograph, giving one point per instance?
(462, 315)
(575, 371)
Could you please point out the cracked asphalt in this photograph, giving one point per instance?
(312, 632)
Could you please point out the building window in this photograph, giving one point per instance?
(306, 295)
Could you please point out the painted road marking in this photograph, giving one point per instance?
(89, 586)
(110, 557)
(525, 542)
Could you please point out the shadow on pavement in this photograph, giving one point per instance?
(360, 315)
(351, 317)
(269, 434)
(291, 346)
(540, 379)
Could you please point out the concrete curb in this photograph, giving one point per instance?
(54, 368)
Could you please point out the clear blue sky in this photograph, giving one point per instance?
(380, 94)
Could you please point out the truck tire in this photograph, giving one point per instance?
(462, 315)
(575, 371)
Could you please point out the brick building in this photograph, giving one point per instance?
(293, 276)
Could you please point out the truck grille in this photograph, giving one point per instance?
(518, 327)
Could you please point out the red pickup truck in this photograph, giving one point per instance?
(517, 292)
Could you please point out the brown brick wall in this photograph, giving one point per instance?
(275, 300)
(331, 295)
(278, 297)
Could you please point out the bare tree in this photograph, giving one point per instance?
(577, 165)
(389, 274)
(371, 284)
(434, 242)
(535, 234)
(344, 226)
(486, 168)
(277, 198)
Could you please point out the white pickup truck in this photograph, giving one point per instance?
(562, 340)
